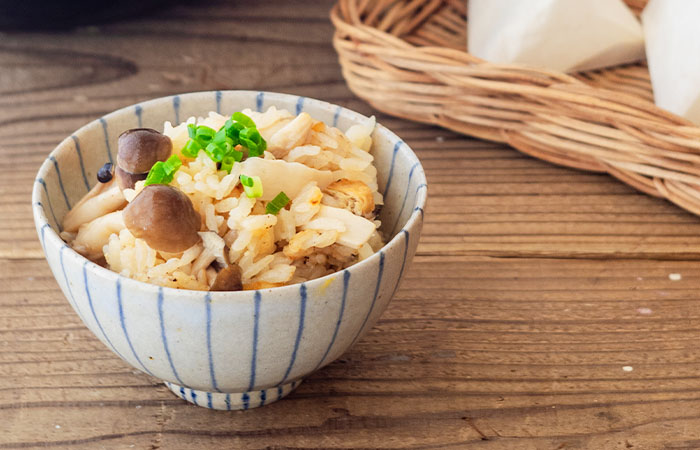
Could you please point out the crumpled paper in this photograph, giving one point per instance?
(673, 54)
(562, 35)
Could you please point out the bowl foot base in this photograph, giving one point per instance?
(229, 401)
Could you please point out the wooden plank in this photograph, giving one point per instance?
(502, 345)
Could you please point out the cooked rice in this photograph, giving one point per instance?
(272, 250)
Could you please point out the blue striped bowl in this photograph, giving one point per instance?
(226, 350)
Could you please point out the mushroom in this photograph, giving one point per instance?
(164, 217)
(94, 235)
(228, 279)
(102, 199)
(228, 276)
(139, 149)
(213, 251)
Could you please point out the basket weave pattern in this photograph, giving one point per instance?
(408, 58)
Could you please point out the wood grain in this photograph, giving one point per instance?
(538, 313)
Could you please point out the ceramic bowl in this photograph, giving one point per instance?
(227, 350)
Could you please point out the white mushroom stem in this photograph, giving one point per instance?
(93, 236)
(357, 229)
(291, 135)
(213, 250)
(102, 199)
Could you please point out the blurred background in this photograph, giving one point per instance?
(29, 15)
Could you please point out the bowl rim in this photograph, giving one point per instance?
(41, 219)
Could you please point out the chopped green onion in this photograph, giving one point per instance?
(156, 175)
(243, 119)
(191, 148)
(163, 172)
(215, 152)
(172, 164)
(252, 186)
(235, 154)
(246, 180)
(242, 130)
(220, 137)
(218, 145)
(227, 163)
(251, 138)
(277, 203)
(204, 134)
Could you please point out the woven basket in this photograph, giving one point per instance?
(408, 58)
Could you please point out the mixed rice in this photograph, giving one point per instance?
(329, 223)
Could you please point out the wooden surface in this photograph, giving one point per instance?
(539, 312)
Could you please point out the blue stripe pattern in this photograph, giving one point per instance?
(259, 101)
(80, 160)
(71, 297)
(374, 299)
(263, 397)
(346, 281)
(209, 400)
(60, 181)
(300, 105)
(182, 392)
(218, 102)
(227, 400)
(300, 331)
(94, 315)
(41, 235)
(138, 110)
(48, 199)
(337, 115)
(256, 320)
(207, 302)
(403, 263)
(405, 197)
(122, 321)
(194, 397)
(246, 400)
(163, 336)
(279, 392)
(391, 169)
(106, 134)
(176, 108)
(418, 208)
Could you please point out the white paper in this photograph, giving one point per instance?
(562, 35)
(672, 38)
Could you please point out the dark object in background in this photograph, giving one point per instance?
(30, 15)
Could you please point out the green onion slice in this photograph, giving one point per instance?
(156, 175)
(172, 164)
(236, 155)
(243, 119)
(191, 148)
(227, 163)
(163, 172)
(252, 186)
(204, 134)
(277, 203)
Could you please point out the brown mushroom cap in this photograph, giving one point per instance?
(228, 279)
(164, 217)
(140, 148)
(127, 180)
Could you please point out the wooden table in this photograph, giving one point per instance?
(546, 308)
